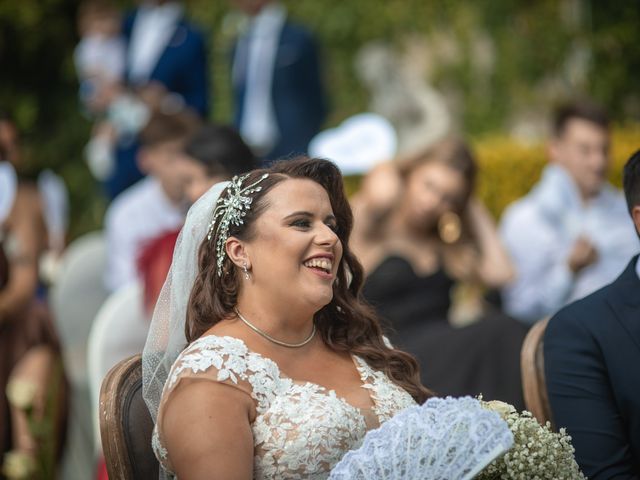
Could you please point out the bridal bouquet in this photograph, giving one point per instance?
(461, 438)
(538, 452)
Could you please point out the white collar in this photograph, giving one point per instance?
(269, 19)
(557, 193)
(8, 187)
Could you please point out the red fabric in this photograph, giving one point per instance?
(101, 473)
(153, 265)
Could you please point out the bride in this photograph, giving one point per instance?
(284, 369)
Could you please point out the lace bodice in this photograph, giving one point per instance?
(301, 429)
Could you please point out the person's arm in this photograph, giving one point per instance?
(494, 268)
(379, 192)
(207, 431)
(543, 279)
(581, 397)
(26, 231)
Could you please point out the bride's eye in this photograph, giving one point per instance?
(301, 223)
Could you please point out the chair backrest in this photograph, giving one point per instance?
(118, 332)
(76, 297)
(533, 382)
(125, 423)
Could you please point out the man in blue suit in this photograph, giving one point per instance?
(592, 366)
(166, 56)
(279, 99)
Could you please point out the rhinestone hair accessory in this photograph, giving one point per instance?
(231, 211)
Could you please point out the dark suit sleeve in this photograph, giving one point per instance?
(580, 393)
(314, 83)
(196, 84)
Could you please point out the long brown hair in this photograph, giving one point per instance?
(452, 152)
(346, 324)
(459, 258)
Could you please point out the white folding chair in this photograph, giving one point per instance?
(75, 298)
(119, 331)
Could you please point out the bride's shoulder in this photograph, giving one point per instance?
(210, 354)
(223, 359)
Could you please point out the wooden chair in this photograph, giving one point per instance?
(125, 423)
(532, 366)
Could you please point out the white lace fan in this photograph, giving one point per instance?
(445, 438)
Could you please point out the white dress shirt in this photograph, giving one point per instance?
(153, 28)
(539, 232)
(138, 215)
(257, 50)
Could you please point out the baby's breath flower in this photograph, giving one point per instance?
(537, 452)
(18, 465)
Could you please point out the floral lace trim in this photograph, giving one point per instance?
(157, 446)
(233, 360)
(292, 438)
(387, 397)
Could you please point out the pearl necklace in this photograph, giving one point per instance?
(271, 339)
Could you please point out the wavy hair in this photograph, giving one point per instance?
(451, 152)
(347, 323)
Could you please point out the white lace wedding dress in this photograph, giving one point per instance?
(301, 429)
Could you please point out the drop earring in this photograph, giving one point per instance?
(246, 271)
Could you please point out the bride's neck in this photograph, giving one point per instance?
(281, 320)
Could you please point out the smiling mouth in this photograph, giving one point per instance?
(321, 265)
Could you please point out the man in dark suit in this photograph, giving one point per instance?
(166, 59)
(279, 98)
(592, 366)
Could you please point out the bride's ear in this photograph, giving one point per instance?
(237, 252)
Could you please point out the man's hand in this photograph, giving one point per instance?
(582, 255)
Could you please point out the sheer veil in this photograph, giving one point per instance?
(166, 337)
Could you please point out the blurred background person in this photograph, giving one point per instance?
(32, 380)
(416, 245)
(276, 75)
(571, 234)
(9, 141)
(165, 69)
(166, 51)
(214, 154)
(152, 206)
(591, 358)
(100, 55)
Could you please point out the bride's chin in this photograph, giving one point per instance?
(320, 301)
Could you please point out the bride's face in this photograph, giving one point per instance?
(295, 252)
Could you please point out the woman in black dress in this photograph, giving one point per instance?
(420, 234)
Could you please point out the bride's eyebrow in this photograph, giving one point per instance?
(305, 214)
(299, 214)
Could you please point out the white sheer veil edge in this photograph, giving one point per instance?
(166, 338)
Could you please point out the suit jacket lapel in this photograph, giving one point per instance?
(625, 300)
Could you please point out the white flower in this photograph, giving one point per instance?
(21, 394)
(18, 465)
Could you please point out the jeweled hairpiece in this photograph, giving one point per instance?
(231, 211)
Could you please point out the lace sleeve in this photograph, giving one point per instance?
(218, 359)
